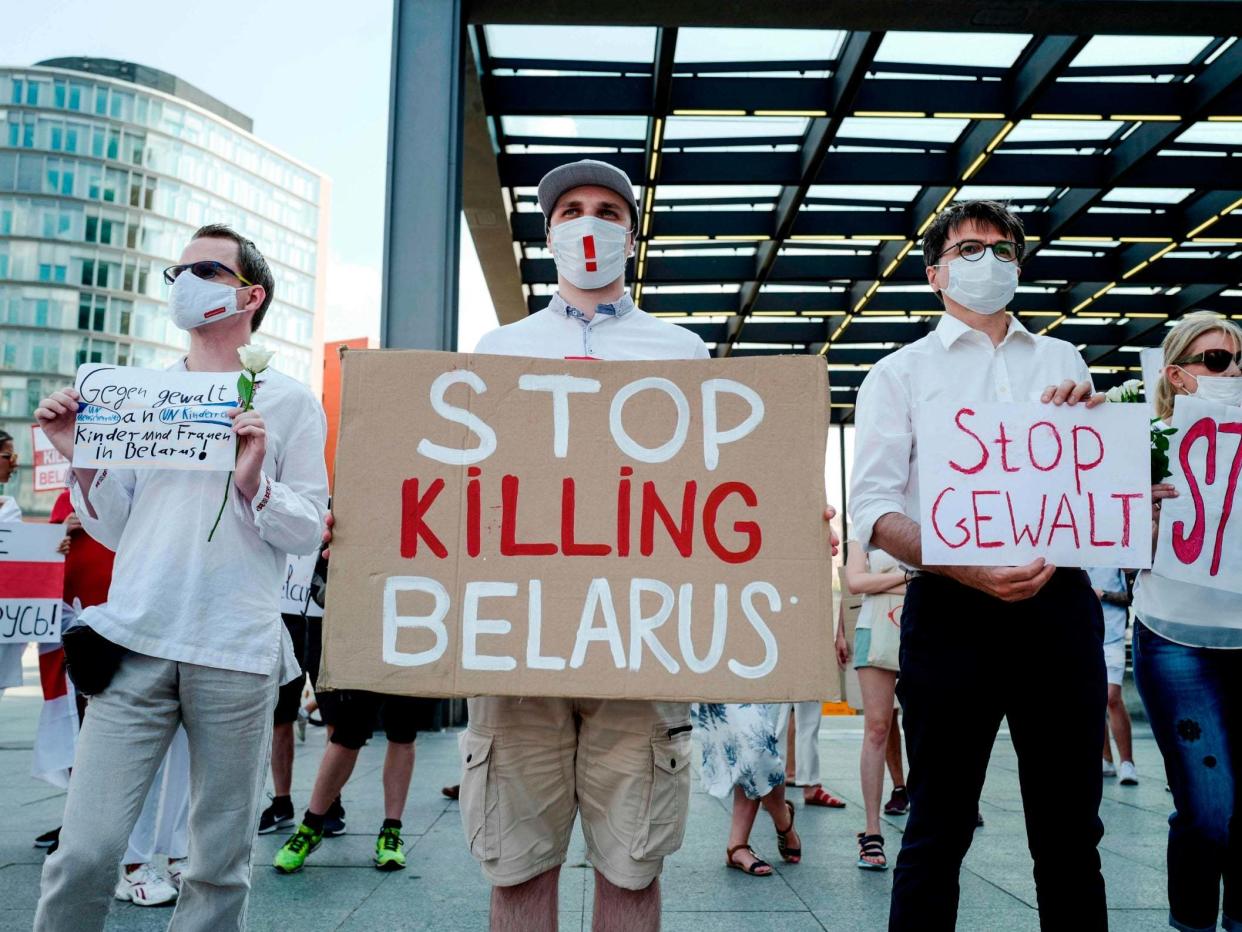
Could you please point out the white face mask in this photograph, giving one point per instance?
(985, 286)
(195, 301)
(589, 252)
(1223, 389)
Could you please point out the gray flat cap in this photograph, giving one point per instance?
(584, 172)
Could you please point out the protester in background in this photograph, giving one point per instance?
(1188, 665)
(741, 756)
(805, 771)
(881, 582)
(355, 716)
(1114, 594)
(162, 828)
(280, 814)
(198, 620)
(10, 654)
(968, 657)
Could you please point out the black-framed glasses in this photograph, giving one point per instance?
(1216, 360)
(972, 250)
(207, 269)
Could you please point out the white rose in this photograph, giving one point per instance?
(1133, 386)
(254, 358)
(1115, 393)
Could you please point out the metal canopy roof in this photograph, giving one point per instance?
(786, 176)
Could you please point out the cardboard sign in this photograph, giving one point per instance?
(51, 470)
(295, 593)
(32, 582)
(1200, 531)
(524, 527)
(1004, 484)
(154, 419)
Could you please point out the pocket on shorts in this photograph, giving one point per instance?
(480, 815)
(663, 825)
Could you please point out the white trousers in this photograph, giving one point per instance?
(806, 738)
(163, 824)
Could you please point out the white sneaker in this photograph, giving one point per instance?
(145, 886)
(175, 870)
(1129, 773)
(1109, 769)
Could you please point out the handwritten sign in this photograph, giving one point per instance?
(643, 530)
(1200, 531)
(147, 418)
(1003, 484)
(295, 593)
(32, 582)
(51, 470)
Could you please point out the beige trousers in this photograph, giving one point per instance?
(228, 719)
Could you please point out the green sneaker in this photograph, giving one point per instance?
(388, 853)
(293, 853)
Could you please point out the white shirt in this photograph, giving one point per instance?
(9, 509)
(955, 363)
(178, 597)
(617, 331)
(1110, 579)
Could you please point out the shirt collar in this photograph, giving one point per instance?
(950, 330)
(619, 308)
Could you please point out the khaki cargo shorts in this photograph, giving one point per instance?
(529, 765)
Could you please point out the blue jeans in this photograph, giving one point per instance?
(1193, 697)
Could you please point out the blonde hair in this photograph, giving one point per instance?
(1177, 343)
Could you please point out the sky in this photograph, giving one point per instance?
(314, 81)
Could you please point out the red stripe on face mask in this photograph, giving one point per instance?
(588, 250)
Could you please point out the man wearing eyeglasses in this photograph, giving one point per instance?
(977, 642)
(198, 620)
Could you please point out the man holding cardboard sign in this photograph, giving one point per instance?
(573, 541)
(194, 623)
(977, 641)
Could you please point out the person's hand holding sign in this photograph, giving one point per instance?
(829, 514)
(57, 414)
(1071, 392)
(251, 448)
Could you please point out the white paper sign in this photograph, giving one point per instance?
(153, 419)
(294, 594)
(1004, 484)
(32, 582)
(51, 470)
(1152, 361)
(1201, 530)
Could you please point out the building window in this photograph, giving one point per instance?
(88, 271)
(40, 317)
(17, 91)
(59, 93)
(101, 100)
(45, 272)
(75, 96)
(32, 93)
(92, 229)
(58, 138)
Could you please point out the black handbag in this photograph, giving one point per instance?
(91, 659)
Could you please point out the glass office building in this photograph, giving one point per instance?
(106, 170)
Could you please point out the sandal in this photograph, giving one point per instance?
(755, 868)
(822, 798)
(792, 855)
(871, 846)
(898, 803)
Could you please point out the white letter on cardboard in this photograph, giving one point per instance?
(472, 625)
(642, 628)
(720, 624)
(598, 595)
(626, 444)
(761, 628)
(714, 439)
(433, 622)
(472, 422)
(560, 386)
(535, 660)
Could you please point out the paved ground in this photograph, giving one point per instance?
(442, 890)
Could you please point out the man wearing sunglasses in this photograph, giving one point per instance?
(198, 620)
(977, 642)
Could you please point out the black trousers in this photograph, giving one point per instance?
(968, 661)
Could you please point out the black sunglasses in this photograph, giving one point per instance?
(972, 250)
(207, 269)
(1216, 360)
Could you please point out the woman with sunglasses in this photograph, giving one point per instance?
(1188, 665)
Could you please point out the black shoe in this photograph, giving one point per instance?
(275, 817)
(334, 819)
(978, 819)
(48, 839)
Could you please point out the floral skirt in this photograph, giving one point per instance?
(740, 748)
